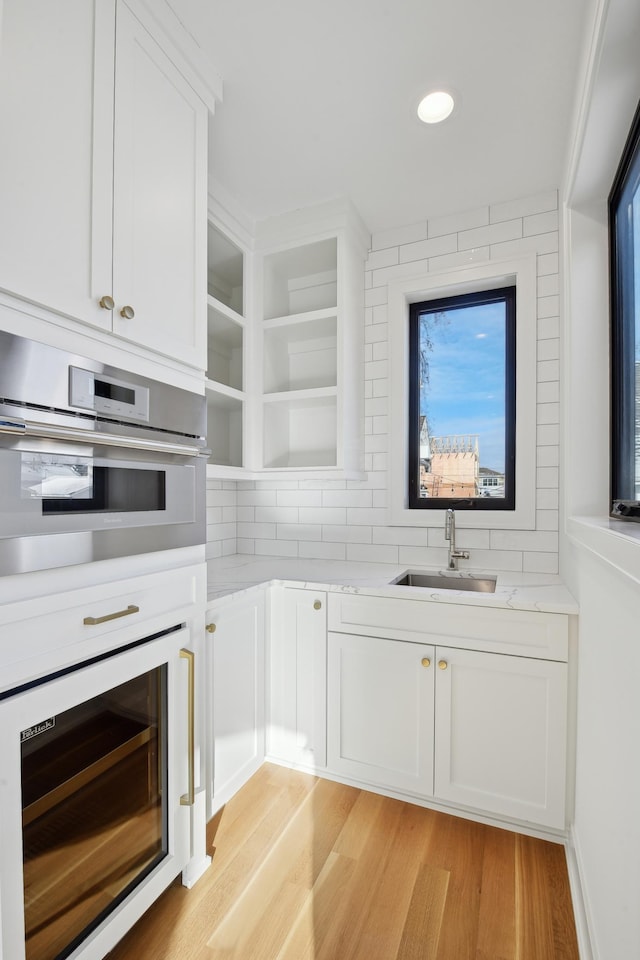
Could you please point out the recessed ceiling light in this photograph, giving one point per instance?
(435, 106)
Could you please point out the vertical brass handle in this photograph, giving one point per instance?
(107, 303)
(188, 799)
(128, 313)
(317, 605)
(443, 664)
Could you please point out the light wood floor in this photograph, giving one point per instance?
(307, 869)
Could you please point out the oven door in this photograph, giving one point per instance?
(67, 502)
(97, 777)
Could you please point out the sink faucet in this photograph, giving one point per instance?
(450, 535)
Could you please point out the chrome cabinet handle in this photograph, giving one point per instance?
(188, 799)
(92, 621)
(107, 303)
(128, 313)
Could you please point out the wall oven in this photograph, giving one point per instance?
(95, 462)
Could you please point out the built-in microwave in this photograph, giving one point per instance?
(95, 462)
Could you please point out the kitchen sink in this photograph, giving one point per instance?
(447, 581)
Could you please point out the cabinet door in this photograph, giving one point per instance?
(236, 699)
(297, 684)
(160, 199)
(380, 696)
(56, 96)
(501, 734)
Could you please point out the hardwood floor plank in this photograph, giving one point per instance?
(384, 922)
(534, 932)
(421, 933)
(315, 919)
(496, 919)
(457, 846)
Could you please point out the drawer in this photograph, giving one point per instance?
(493, 629)
(40, 636)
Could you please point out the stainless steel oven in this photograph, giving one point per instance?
(95, 462)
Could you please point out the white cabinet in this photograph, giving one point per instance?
(102, 174)
(449, 706)
(380, 712)
(297, 677)
(311, 336)
(236, 674)
(500, 734)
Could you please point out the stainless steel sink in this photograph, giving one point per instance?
(447, 581)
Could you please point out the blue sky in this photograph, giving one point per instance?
(465, 393)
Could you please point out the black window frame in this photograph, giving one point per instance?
(508, 295)
(623, 503)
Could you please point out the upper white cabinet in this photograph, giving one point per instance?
(103, 181)
(311, 313)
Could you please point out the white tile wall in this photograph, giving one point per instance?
(347, 520)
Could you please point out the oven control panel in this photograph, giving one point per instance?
(107, 395)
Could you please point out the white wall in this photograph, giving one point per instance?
(600, 559)
(348, 519)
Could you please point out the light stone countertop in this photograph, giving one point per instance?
(233, 575)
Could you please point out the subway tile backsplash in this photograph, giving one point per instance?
(347, 520)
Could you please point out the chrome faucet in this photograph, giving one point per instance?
(450, 535)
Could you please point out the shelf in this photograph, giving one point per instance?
(300, 432)
(224, 426)
(301, 355)
(225, 270)
(301, 279)
(225, 341)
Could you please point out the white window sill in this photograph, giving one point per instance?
(616, 542)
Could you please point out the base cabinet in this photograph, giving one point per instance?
(380, 711)
(482, 730)
(297, 677)
(235, 667)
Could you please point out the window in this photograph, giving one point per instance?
(624, 231)
(462, 388)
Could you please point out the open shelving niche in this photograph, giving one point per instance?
(226, 352)
(312, 300)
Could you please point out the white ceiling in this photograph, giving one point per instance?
(320, 100)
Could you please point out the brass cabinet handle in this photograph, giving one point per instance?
(443, 664)
(107, 303)
(92, 621)
(188, 799)
(128, 313)
(210, 628)
(426, 662)
(317, 605)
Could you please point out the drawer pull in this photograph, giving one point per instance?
(210, 628)
(443, 664)
(426, 662)
(93, 621)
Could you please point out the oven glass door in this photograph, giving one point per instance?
(91, 801)
(51, 487)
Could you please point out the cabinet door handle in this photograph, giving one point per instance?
(93, 621)
(426, 662)
(210, 628)
(443, 664)
(128, 313)
(188, 799)
(317, 605)
(107, 303)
